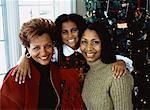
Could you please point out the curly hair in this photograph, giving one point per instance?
(36, 26)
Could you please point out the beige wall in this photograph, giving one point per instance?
(80, 8)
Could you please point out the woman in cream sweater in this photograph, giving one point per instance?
(100, 90)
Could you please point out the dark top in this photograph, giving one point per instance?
(46, 90)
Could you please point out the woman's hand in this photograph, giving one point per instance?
(22, 70)
(119, 68)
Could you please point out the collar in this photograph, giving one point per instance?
(67, 51)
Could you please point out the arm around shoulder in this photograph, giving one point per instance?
(128, 61)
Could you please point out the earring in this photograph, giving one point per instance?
(28, 55)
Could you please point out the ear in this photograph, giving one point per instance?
(27, 52)
(27, 49)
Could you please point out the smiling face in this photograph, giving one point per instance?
(41, 48)
(90, 45)
(70, 34)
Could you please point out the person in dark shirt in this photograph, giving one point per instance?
(43, 90)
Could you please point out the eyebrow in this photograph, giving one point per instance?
(96, 39)
(91, 39)
(45, 44)
(75, 27)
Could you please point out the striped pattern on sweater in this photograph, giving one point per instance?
(102, 92)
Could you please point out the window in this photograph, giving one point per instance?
(3, 57)
(49, 9)
(13, 13)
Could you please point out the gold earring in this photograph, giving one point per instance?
(28, 55)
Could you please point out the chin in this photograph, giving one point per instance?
(44, 63)
(91, 59)
(72, 46)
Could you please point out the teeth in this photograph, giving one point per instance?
(43, 58)
(89, 54)
(70, 41)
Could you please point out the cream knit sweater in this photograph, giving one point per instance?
(102, 92)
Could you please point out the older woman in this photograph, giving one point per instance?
(42, 91)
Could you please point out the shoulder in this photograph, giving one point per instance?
(9, 73)
(128, 78)
(9, 83)
(125, 81)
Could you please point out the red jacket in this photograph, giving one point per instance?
(25, 96)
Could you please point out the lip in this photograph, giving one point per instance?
(89, 55)
(44, 58)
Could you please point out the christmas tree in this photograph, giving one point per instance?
(128, 21)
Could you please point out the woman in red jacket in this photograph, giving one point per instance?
(43, 90)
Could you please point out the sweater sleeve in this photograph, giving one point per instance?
(121, 92)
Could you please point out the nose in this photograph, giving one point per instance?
(89, 47)
(70, 34)
(43, 52)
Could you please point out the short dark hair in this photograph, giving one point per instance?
(77, 19)
(36, 26)
(107, 53)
